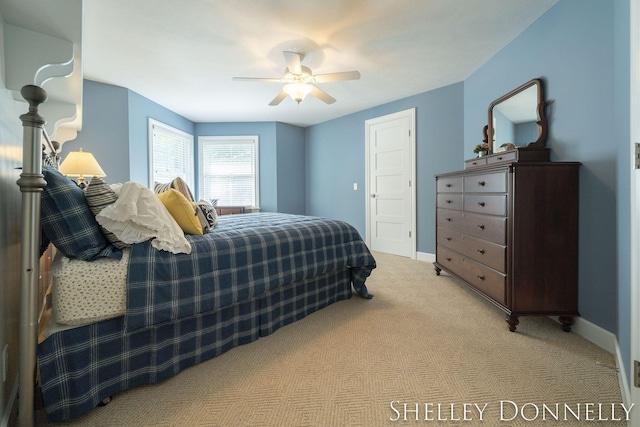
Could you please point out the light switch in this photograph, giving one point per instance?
(355, 186)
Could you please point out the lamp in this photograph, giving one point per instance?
(298, 90)
(79, 164)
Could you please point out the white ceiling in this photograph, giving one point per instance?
(183, 54)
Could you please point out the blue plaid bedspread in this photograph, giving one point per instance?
(243, 257)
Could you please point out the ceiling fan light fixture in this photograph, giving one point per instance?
(298, 91)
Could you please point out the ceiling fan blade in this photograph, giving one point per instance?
(293, 60)
(259, 79)
(322, 95)
(337, 77)
(278, 99)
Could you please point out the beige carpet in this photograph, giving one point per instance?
(422, 340)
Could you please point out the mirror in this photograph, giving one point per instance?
(517, 119)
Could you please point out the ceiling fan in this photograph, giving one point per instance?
(300, 81)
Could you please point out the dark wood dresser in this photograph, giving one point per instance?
(230, 210)
(508, 228)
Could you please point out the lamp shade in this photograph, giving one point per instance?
(81, 164)
(298, 91)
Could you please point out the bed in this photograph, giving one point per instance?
(168, 309)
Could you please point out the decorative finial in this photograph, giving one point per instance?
(35, 96)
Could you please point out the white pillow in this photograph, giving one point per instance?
(138, 215)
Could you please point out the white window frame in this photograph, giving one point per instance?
(204, 140)
(189, 162)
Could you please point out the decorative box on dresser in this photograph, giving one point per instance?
(507, 226)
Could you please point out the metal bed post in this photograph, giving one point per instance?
(31, 183)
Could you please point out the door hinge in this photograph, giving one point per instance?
(409, 233)
(636, 373)
(636, 156)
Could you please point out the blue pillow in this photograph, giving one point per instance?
(69, 223)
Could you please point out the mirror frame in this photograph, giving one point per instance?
(541, 117)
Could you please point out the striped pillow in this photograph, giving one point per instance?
(181, 186)
(177, 184)
(99, 195)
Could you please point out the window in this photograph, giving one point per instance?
(170, 154)
(229, 170)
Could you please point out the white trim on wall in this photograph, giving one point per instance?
(633, 393)
(411, 114)
(227, 140)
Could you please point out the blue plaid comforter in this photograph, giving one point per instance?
(243, 257)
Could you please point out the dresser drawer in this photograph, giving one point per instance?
(478, 161)
(483, 278)
(486, 280)
(448, 258)
(450, 219)
(450, 185)
(450, 201)
(483, 251)
(491, 204)
(487, 227)
(505, 156)
(486, 183)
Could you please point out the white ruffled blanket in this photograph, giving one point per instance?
(138, 215)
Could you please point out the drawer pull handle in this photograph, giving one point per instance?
(481, 227)
(481, 204)
(480, 277)
(448, 258)
(448, 201)
(480, 251)
(449, 219)
(500, 158)
(447, 239)
(481, 183)
(448, 185)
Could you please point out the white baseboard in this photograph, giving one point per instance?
(589, 331)
(426, 257)
(625, 391)
(607, 341)
(594, 333)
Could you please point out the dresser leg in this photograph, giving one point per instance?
(566, 321)
(438, 270)
(512, 321)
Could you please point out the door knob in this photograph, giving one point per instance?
(373, 195)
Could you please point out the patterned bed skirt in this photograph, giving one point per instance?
(82, 366)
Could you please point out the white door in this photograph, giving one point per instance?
(390, 183)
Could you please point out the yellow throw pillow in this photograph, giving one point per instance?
(182, 210)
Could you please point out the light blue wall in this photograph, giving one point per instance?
(571, 48)
(266, 132)
(105, 129)
(281, 161)
(140, 109)
(335, 159)
(290, 162)
(114, 130)
(506, 128)
(526, 133)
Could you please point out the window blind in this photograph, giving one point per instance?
(229, 171)
(171, 153)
